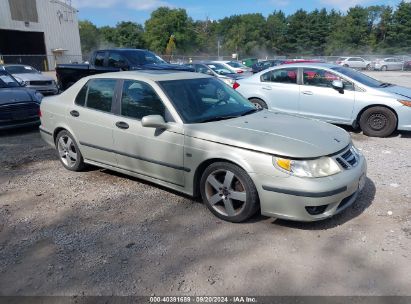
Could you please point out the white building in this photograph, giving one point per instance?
(39, 32)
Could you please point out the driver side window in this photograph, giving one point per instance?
(323, 78)
(139, 99)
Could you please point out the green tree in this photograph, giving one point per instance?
(399, 34)
(165, 22)
(89, 37)
(276, 31)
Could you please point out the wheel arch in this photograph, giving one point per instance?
(60, 128)
(203, 165)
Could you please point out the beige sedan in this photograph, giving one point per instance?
(194, 134)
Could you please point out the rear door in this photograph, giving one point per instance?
(280, 89)
(318, 99)
(92, 121)
(149, 151)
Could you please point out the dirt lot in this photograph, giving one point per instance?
(102, 233)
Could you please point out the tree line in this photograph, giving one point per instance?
(378, 29)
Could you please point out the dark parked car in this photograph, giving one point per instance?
(19, 106)
(113, 60)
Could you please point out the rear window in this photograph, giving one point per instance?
(97, 94)
(288, 75)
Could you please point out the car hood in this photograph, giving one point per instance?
(402, 91)
(14, 95)
(166, 66)
(274, 133)
(31, 77)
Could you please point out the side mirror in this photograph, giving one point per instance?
(154, 121)
(338, 85)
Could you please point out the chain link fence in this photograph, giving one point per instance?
(49, 62)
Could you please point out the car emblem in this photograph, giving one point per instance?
(337, 140)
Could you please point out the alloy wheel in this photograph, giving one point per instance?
(225, 192)
(67, 151)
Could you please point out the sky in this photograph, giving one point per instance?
(110, 12)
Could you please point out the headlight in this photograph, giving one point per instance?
(320, 167)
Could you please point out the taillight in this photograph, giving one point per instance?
(240, 71)
(236, 85)
(39, 112)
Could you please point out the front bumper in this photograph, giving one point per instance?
(309, 199)
(404, 118)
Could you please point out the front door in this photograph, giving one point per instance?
(149, 151)
(318, 99)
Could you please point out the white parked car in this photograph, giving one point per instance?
(236, 66)
(388, 64)
(355, 62)
(331, 93)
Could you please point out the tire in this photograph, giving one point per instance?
(346, 65)
(223, 181)
(384, 68)
(68, 152)
(259, 104)
(378, 122)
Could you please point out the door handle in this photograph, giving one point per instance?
(307, 92)
(74, 113)
(122, 125)
(267, 88)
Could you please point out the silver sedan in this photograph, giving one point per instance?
(331, 93)
(194, 134)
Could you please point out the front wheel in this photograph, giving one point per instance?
(368, 67)
(378, 122)
(229, 193)
(384, 68)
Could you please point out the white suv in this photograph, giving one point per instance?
(354, 62)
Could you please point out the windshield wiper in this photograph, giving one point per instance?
(385, 84)
(217, 118)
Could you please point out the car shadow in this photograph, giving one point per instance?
(363, 201)
(19, 131)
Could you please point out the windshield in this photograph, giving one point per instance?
(358, 76)
(139, 57)
(236, 64)
(219, 68)
(20, 69)
(205, 99)
(7, 81)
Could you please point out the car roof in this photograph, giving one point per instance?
(308, 65)
(153, 75)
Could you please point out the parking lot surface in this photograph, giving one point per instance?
(101, 233)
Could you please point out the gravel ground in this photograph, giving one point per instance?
(102, 233)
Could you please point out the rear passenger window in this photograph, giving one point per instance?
(139, 100)
(81, 96)
(288, 75)
(100, 94)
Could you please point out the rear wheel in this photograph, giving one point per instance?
(378, 122)
(229, 193)
(68, 152)
(259, 104)
(368, 67)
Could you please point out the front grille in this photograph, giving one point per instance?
(41, 82)
(19, 111)
(348, 159)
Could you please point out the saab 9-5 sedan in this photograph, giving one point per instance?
(195, 134)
